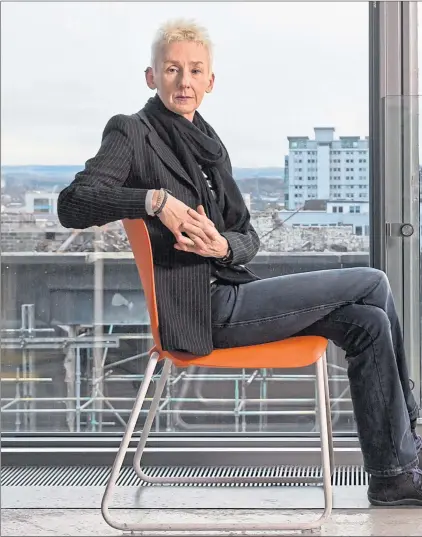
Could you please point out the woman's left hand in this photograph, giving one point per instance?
(216, 247)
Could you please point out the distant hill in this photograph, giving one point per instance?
(39, 177)
(250, 173)
(47, 171)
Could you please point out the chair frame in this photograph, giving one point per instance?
(138, 236)
(327, 459)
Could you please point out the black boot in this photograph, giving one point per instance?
(403, 489)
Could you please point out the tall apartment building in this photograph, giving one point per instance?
(326, 169)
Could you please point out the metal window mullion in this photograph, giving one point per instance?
(410, 189)
(376, 185)
(391, 141)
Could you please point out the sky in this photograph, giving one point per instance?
(281, 69)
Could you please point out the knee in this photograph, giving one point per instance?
(374, 274)
(374, 329)
(378, 279)
(366, 324)
(371, 330)
(376, 321)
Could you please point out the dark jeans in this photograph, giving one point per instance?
(354, 308)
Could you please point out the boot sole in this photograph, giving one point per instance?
(395, 503)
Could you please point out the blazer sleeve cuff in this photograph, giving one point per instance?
(236, 247)
(148, 202)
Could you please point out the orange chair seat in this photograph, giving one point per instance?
(288, 353)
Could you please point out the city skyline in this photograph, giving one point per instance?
(310, 135)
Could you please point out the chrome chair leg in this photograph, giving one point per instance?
(214, 480)
(148, 423)
(328, 408)
(124, 444)
(326, 434)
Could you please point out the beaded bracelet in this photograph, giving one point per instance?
(161, 202)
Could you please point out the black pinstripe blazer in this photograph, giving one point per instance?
(113, 185)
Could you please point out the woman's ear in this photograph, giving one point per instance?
(211, 84)
(149, 77)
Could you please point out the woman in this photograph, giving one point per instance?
(167, 165)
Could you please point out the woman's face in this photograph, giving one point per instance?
(182, 76)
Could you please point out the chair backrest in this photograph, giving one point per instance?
(137, 233)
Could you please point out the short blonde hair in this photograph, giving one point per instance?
(180, 30)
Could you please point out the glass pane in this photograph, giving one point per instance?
(293, 113)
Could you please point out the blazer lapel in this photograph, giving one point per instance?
(166, 154)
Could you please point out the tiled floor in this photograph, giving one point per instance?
(47, 522)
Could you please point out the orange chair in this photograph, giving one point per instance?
(290, 353)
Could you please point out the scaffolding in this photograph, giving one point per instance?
(185, 405)
(94, 411)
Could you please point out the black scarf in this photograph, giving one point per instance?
(197, 145)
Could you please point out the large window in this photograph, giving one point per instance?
(290, 103)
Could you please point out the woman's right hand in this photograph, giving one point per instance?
(174, 215)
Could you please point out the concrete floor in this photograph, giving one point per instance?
(61, 522)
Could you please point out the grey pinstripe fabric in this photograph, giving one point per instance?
(113, 185)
